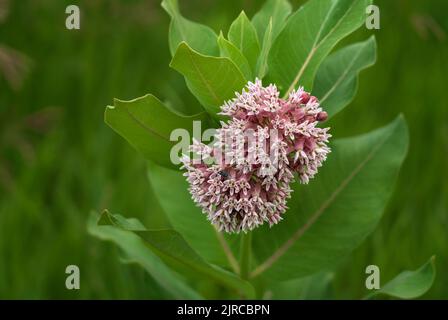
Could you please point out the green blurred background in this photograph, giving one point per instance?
(59, 161)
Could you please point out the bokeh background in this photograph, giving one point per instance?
(59, 161)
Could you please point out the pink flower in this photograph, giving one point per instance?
(243, 178)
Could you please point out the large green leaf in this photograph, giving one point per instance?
(337, 78)
(171, 189)
(229, 50)
(147, 125)
(308, 37)
(244, 36)
(175, 252)
(213, 80)
(410, 284)
(136, 251)
(200, 37)
(275, 10)
(332, 215)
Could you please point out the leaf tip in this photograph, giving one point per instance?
(243, 14)
(103, 219)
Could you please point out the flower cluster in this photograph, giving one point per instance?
(243, 178)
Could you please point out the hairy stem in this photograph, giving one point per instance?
(245, 255)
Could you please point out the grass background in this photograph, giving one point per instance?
(58, 160)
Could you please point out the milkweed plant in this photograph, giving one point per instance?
(262, 200)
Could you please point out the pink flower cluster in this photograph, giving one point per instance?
(243, 178)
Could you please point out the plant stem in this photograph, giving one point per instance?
(245, 253)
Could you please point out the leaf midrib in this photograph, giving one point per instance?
(201, 76)
(177, 20)
(144, 126)
(316, 46)
(343, 75)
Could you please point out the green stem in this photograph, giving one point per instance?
(245, 253)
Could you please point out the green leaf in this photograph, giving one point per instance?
(337, 78)
(136, 251)
(200, 37)
(318, 287)
(187, 219)
(410, 284)
(147, 125)
(244, 36)
(229, 50)
(308, 36)
(262, 64)
(335, 212)
(175, 252)
(268, 22)
(213, 80)
(278, 11)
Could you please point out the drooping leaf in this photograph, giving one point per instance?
(337, 78)
(147, 125)
(170, 246)
(244, 36)
(199, 37)
(187, 219)
(278, 11)
(410, 284)
(229, 50)
(308, 36)
(334, 213)
(262, 63)
(136, 251)
(213, 80)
